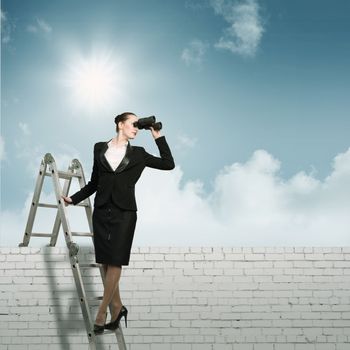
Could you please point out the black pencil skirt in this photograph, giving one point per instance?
(113, 234)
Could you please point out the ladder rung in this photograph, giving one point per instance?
(67, 175)
(90, 265)
(45, 205)
(64, 174)
(96, 298)
(82, 204)
(106, 331)
(41, 234)
(82, 234)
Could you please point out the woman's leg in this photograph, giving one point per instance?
(112, 276)
(116, 301)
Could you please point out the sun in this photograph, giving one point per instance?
(93, 81)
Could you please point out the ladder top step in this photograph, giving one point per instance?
(67, 174)
(64, 174)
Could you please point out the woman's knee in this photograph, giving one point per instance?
(115, 266)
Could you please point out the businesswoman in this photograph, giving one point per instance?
(116, 169)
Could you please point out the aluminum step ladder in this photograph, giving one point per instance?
(48, 168)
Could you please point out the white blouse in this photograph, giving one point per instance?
(114, 154)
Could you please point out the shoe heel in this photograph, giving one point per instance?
(125, 317)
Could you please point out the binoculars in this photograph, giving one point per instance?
(146, 123)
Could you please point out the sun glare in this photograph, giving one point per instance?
(93, 82)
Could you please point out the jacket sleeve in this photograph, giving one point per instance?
(165, 161)
(90, 187)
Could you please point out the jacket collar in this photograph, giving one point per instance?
(123, 164)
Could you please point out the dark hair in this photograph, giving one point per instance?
(122, 118)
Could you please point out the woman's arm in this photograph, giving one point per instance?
(166, 160)
(89, 188)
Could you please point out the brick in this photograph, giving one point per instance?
(305, 347)
(154, 257)
(263, 347)
(161, 347)
(250, 257)
(269, 256)
(284, 347)
(202, 347)
(177, 257)
(198, 257)
(234, 256)
(343, 346)
(15, 257)
(181, 346)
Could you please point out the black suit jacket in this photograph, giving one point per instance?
(120, 184)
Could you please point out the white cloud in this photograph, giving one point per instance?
(31, 28)
(250, 205)
(184, 142)
(24, 127)
(6, 27)
(40, 26)
(44, 26)
(30, 153)
(194, 53)
(245, 26)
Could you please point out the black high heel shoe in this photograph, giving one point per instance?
(115, 324)
(99, 329)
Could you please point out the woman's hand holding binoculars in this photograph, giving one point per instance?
(155, 133)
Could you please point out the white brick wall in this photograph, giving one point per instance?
(196, 298)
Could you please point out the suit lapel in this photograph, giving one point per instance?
(123, 164)
(103, 158)
(125, 161)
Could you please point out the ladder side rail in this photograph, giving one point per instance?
(120, 338)
(73, 250)
(55, 230)
(34, 204)
(83, 300)
(57, 223)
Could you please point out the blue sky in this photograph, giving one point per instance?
(236, 84)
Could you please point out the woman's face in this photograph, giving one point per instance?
(127, 127)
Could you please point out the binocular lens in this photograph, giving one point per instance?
(146, 123)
